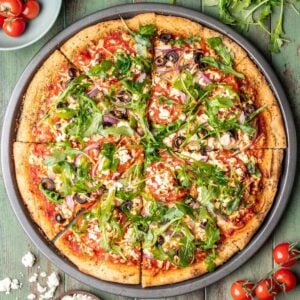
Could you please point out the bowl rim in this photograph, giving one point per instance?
(270, 222)
(38, 37)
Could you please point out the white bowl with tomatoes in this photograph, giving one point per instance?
(23, 22)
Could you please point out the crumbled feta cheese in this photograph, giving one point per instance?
(28, 260)
(31, 297)
(164, 113)
(40, 288)
(225, 139)
(7, 284)
(53, 280)
(43, 274)
(33, 278)
(123, 155)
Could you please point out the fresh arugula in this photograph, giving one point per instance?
(110, 162)
(101, 69)
(52, 196)
(217, 44)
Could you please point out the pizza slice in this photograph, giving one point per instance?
(102, 242)
(50, 81)
(200, 210)
(55, 183)
(97, 46)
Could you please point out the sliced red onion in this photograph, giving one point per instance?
(169, 49)
(141, 77)
(94, 169)
(92, 93)
(181, 94)
(91, 147)
(204, 157)
(203, 80)
(70, 202)
(140, 131)
(110, 120)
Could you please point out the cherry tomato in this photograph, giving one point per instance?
(283, 254)
(1, 21)
(286, 279)
(241, 290)
(266, 289)
(10, 8)
(31, 10)
(14, 27)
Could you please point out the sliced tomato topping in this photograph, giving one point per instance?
(162, 184)
(115, 42)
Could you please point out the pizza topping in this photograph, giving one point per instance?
(59, 218)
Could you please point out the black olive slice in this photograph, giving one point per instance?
(160, 61)
(48, 184)
(165, 37)
(59, 218)
(179, 141)
(81, 199)
(72, 72)
(172, 56)
(123, 97)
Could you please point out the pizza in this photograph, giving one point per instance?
(149, 150)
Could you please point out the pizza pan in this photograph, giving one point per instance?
(9, 133)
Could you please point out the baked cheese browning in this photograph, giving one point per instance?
(162, 143)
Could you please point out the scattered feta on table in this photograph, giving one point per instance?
(77, 297)
(28, 260)
(6, 285)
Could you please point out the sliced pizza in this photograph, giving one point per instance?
(102, 242)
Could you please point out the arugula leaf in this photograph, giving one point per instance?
(210, 261)
(147, 30)
(101, 69)
(111, 163)
(180, 42)
(117, 131)
(52, 196)
(276, 40)
(217, 44)
(122, 65)
(233, 205)
(224, 68)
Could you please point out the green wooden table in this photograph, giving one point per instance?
(13, 241)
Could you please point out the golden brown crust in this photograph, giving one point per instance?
(104, 270)
(32, 201)
(274, 136)
(183, 27)
(91, 35)
(36, 94)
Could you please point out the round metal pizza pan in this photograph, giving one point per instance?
(9, 133)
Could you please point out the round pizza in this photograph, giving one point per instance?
(149, 150)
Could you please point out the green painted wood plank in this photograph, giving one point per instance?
(287, 67)
(14, 242)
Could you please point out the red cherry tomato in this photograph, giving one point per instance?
(283, 254)
(1, 21)
(10, 8)
(14, 27)
(286, 279)
(266, 289)
(31, 10)
(241, 290)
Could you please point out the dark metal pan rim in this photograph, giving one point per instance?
(8, 136)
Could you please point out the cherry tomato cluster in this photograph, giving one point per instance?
(15, 13)
(279, 279)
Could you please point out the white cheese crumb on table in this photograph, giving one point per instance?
(28, 260)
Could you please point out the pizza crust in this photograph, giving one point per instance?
(182, 27)
(33, 202)
(103, 270)
(91, 35)
(35, 96)
(275, 137)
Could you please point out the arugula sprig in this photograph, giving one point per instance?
(253, 12)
